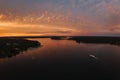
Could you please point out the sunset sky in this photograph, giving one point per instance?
(59, 17)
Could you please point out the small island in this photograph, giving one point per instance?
(57, 37)
(12, 46)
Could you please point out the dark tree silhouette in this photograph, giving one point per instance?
(12, 46)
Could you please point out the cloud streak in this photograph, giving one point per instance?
(85, 16)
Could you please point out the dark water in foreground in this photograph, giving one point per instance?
(64, 59)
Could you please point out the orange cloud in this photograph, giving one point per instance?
(75, 17)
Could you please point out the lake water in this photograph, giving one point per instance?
(64, 59)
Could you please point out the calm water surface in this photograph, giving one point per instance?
(64, 59)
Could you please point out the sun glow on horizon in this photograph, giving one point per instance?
(60, 17)
(22, 29)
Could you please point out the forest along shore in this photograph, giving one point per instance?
(12, 46)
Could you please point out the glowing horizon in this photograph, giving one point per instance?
(55, 17)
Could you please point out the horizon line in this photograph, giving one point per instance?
(53, 36)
